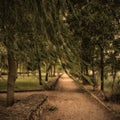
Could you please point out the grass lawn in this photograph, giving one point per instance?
(22, 83)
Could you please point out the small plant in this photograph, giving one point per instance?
(115, 96)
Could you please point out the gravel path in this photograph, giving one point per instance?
(73, 103)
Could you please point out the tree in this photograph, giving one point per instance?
(15, 15)
(19, 21)
(95, 21)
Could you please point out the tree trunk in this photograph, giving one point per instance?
(46, 77)
(40, 73)
(102, 68)
(12, 75)
(113, 83)
(47, 72)
(54, 70)
(93, 75)
(51, 72)
(114, 71)
(93, 70)
(28, 73)
(86, 70)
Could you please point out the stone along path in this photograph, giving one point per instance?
(73, 103)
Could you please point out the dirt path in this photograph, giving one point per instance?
(72, 103)
(69, 102)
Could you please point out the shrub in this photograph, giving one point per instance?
(115, 96)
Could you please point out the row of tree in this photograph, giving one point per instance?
(95, 43)
(95, 47)
(79, 34)
(28, 32)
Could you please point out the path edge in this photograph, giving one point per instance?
(94, 96)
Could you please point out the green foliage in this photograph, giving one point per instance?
(44, 33)
(91, 26)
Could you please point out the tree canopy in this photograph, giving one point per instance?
(77, 33)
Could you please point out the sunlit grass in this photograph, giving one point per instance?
(22, 83)
(27, 83)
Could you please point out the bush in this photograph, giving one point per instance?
(115, 96)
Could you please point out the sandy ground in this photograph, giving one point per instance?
(70, 103)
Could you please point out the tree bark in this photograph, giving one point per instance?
(93, 75)
(114, 71)
(51, 72)
(86, 70)
(12, 75)
(102, 68)
(93, 70)
(47, 72)
(46, 77)
(40, 73)
(54, 70)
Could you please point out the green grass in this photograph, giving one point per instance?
(22, 83)
(27, 83)
(3, 85)
(108, 85)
